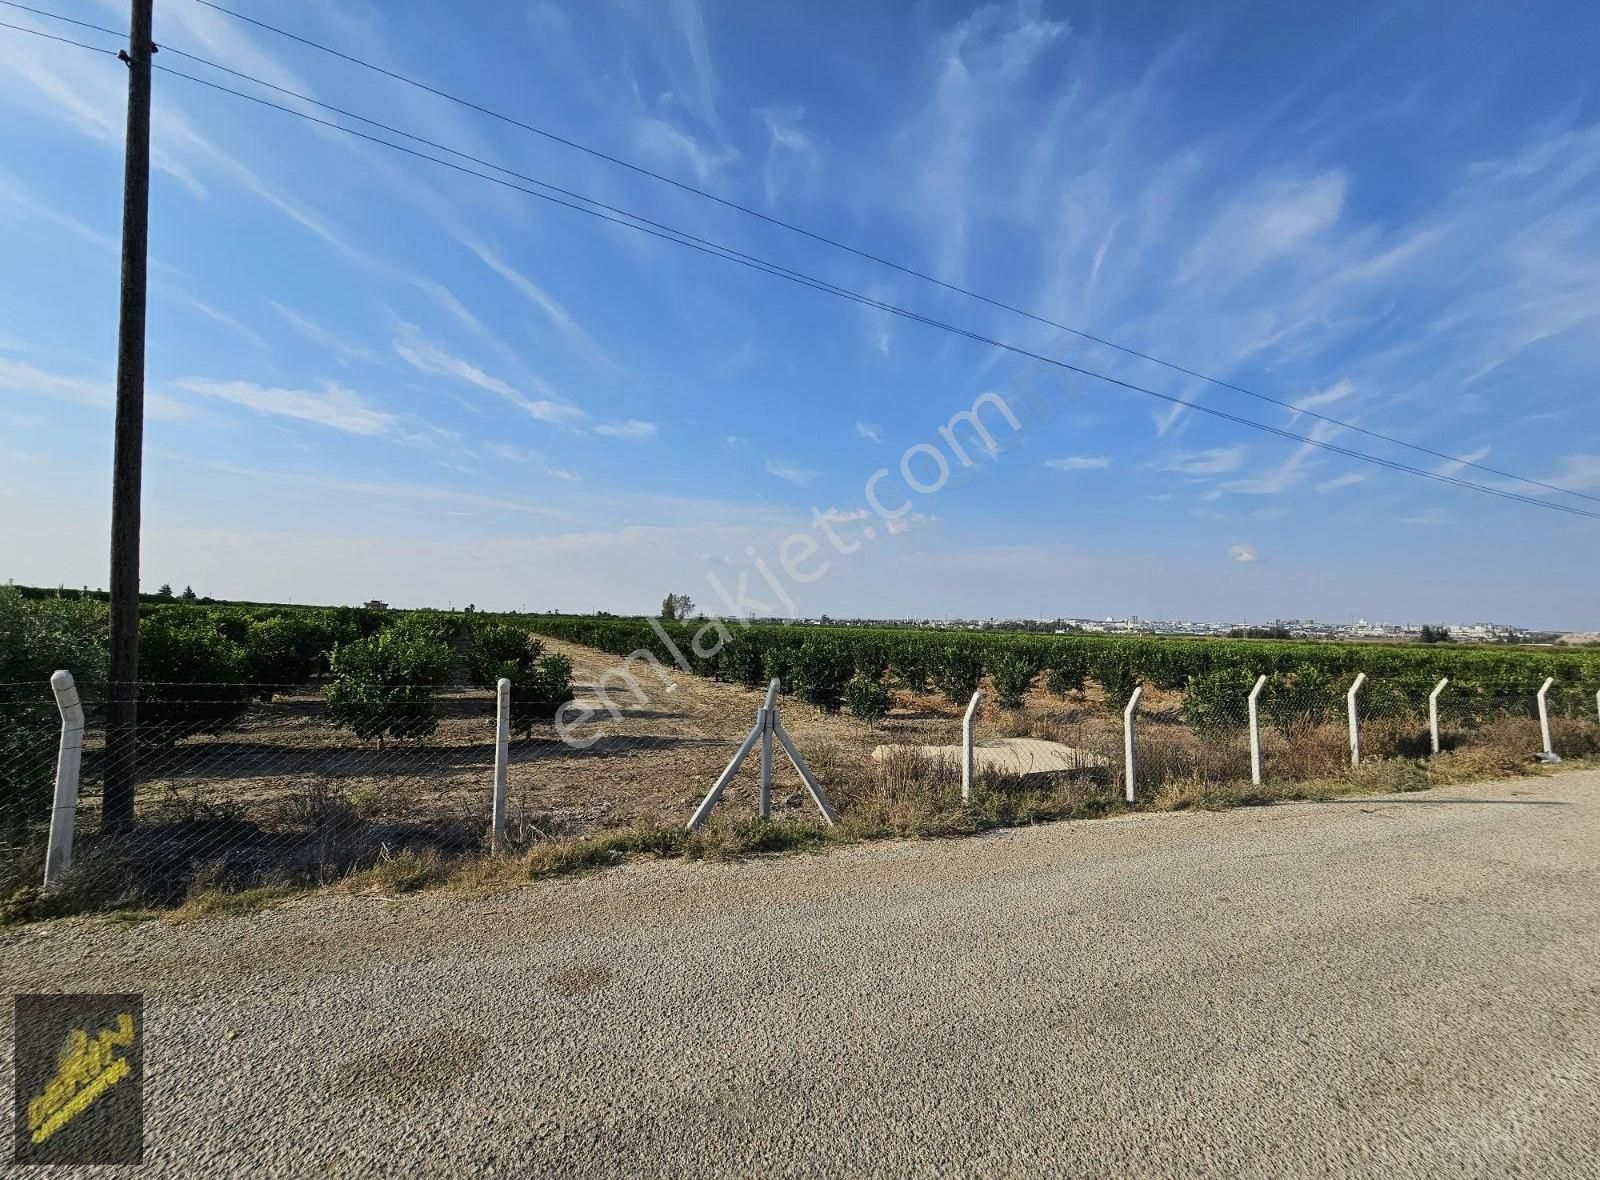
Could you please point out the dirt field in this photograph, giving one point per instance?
(284, 797)
(284, 766)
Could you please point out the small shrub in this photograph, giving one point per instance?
(871, 658)
(1301, 699)
(540, 684)
(192, 677)
(37, 636)
(1117, 678)
(822, 668)
(740, 663)
(1217, 702)
(1067, 674)
(383, 686)
(867, 697)
(284, 650)
(910, 665)
(957, 671)
(1013, 673)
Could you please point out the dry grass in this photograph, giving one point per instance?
(276, 808)
(211, 902)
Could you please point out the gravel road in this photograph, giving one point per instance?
(1384, 986)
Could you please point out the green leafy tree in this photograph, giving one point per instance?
(676, 606)
(285, 650)
(910, 663)
(383, 686)
(867, 697)
(1116, 675)
(957, 671)
(740, 662)
(1218, 701)
(38, 637)
(540, 683)
(192, 677)
(1067, 672)
(822, 668)
(1012, 673)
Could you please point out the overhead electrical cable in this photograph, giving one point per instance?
(868, 255)
(614, 215)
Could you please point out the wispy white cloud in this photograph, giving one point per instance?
(1337, 392)
(1243, 553)
(343, 349)
(1213, 461)
(794, 473)
(1080, 463)
(1348, 480)
(554, 310)
(333, 406)
(1292, 472)
(793, 153)
(1263, 225)
(870, 432)
(1579, 473)
(1429, 516)
(1462, 462)
(630, 428)
(18, 377)
(669, 143)
(512, 454)
(427, 357)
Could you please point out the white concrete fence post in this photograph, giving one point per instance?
(1127, 739)
(1597, 705)
(502, 741)
(1544, 714)
(1355, 719)
(1255, 730)
(766, 719)
(1433, 713)
(966, 747)
(69, 762)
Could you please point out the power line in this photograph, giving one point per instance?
(869, 256)
(52, 36)
(668, 233)
(66, 20)
(1342, 424)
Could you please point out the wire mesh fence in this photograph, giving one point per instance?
(242, 785)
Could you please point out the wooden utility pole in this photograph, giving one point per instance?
(122, 720)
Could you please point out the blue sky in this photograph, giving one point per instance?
(369, 376)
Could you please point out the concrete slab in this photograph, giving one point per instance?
(1022, 756)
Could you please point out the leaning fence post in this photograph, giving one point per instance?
(502, 732)
(64, 811)
(1127, 738)
(1597, 705)
(966, 747)
(1433, 712)
(1544, 715)
(1255, 731)
(1355, 720)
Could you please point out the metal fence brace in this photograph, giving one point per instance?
(766, 728)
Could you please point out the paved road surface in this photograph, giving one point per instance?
(1384, 987)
